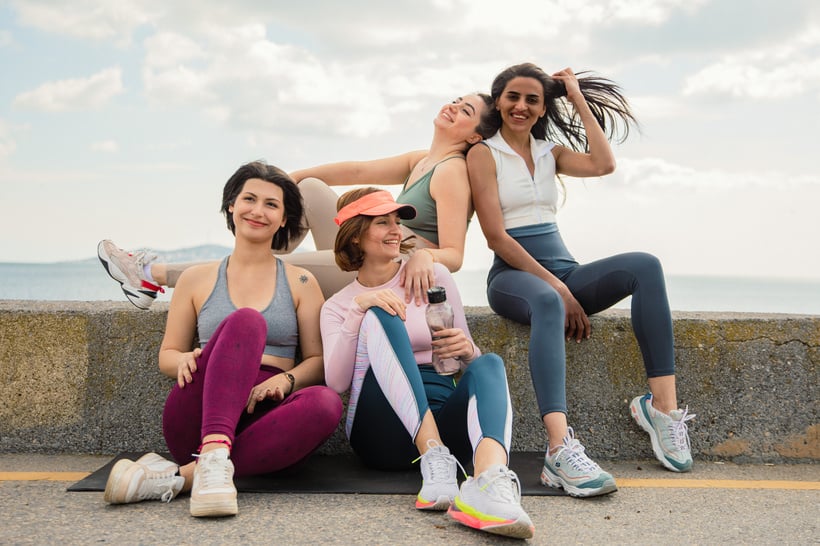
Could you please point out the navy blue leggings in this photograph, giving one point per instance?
(476, 407)
(527, 299)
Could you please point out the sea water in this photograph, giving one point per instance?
(87, 281)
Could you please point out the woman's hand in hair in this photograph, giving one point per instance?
(383, 299)
(570, 81)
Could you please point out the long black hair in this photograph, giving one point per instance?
(561, 123)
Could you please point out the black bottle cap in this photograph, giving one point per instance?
(436, 294)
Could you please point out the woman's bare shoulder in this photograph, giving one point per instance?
(197, 276)
(298, 277)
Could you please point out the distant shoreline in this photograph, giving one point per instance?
(85, 280)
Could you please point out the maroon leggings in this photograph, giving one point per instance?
(275, 435)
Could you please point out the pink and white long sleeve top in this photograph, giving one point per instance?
(342, 317)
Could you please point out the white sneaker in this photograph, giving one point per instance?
(150, 477)
(127, 269)
(213, 492)
(491, 502)
(439, 484)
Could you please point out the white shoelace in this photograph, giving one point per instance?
(213, 473)
(506, 487)
(679, 431)
(439, 463)
(142, 258)
(160, 486)
(168, 495)
(575, 453)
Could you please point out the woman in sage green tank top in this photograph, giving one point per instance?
(433, 180)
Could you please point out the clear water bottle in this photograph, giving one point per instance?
(439, 317)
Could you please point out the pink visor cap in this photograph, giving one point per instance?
(374, 204)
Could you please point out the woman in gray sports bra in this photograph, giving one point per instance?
(250, 398)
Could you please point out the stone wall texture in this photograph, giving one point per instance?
(82, 377)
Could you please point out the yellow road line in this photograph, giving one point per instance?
(645, 483)
(716, 484)
(42, 476)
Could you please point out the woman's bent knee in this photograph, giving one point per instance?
(548, 302)
(645, 263)
(489, 364)
(249, 322)
(324, 404)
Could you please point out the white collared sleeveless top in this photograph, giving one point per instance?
(525, 200)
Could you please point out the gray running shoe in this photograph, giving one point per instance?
(669, 433)
(570, 469)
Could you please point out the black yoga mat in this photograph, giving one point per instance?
(342, 473)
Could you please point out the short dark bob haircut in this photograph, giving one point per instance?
(294, 207)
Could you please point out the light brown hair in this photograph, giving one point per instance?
(348, 253)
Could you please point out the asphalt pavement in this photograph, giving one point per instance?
(717, 503)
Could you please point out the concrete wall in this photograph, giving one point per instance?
(82, 377)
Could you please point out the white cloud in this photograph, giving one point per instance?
(652, 12)
(777, 71)
(659, 107)
(89, 19)
(177, 85)
(557, 17)
(73, 94)
(352, 79)
(168, 49)
(743, 79)
(105, 146)
(244, 79)
(658, 173)
(346, 79)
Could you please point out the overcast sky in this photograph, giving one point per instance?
(122, 119)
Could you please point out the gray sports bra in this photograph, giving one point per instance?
(280, 314)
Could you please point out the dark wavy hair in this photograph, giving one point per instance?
(561, 124)
(346, 250)
(293, 204)
(487, 124)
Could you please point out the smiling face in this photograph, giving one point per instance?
(382, 238)
(521, 104)
(259, 210)
(461, 117)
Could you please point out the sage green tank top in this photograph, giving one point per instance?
(425, 224)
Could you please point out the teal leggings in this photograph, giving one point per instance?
(396, 392)
(527, 299)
